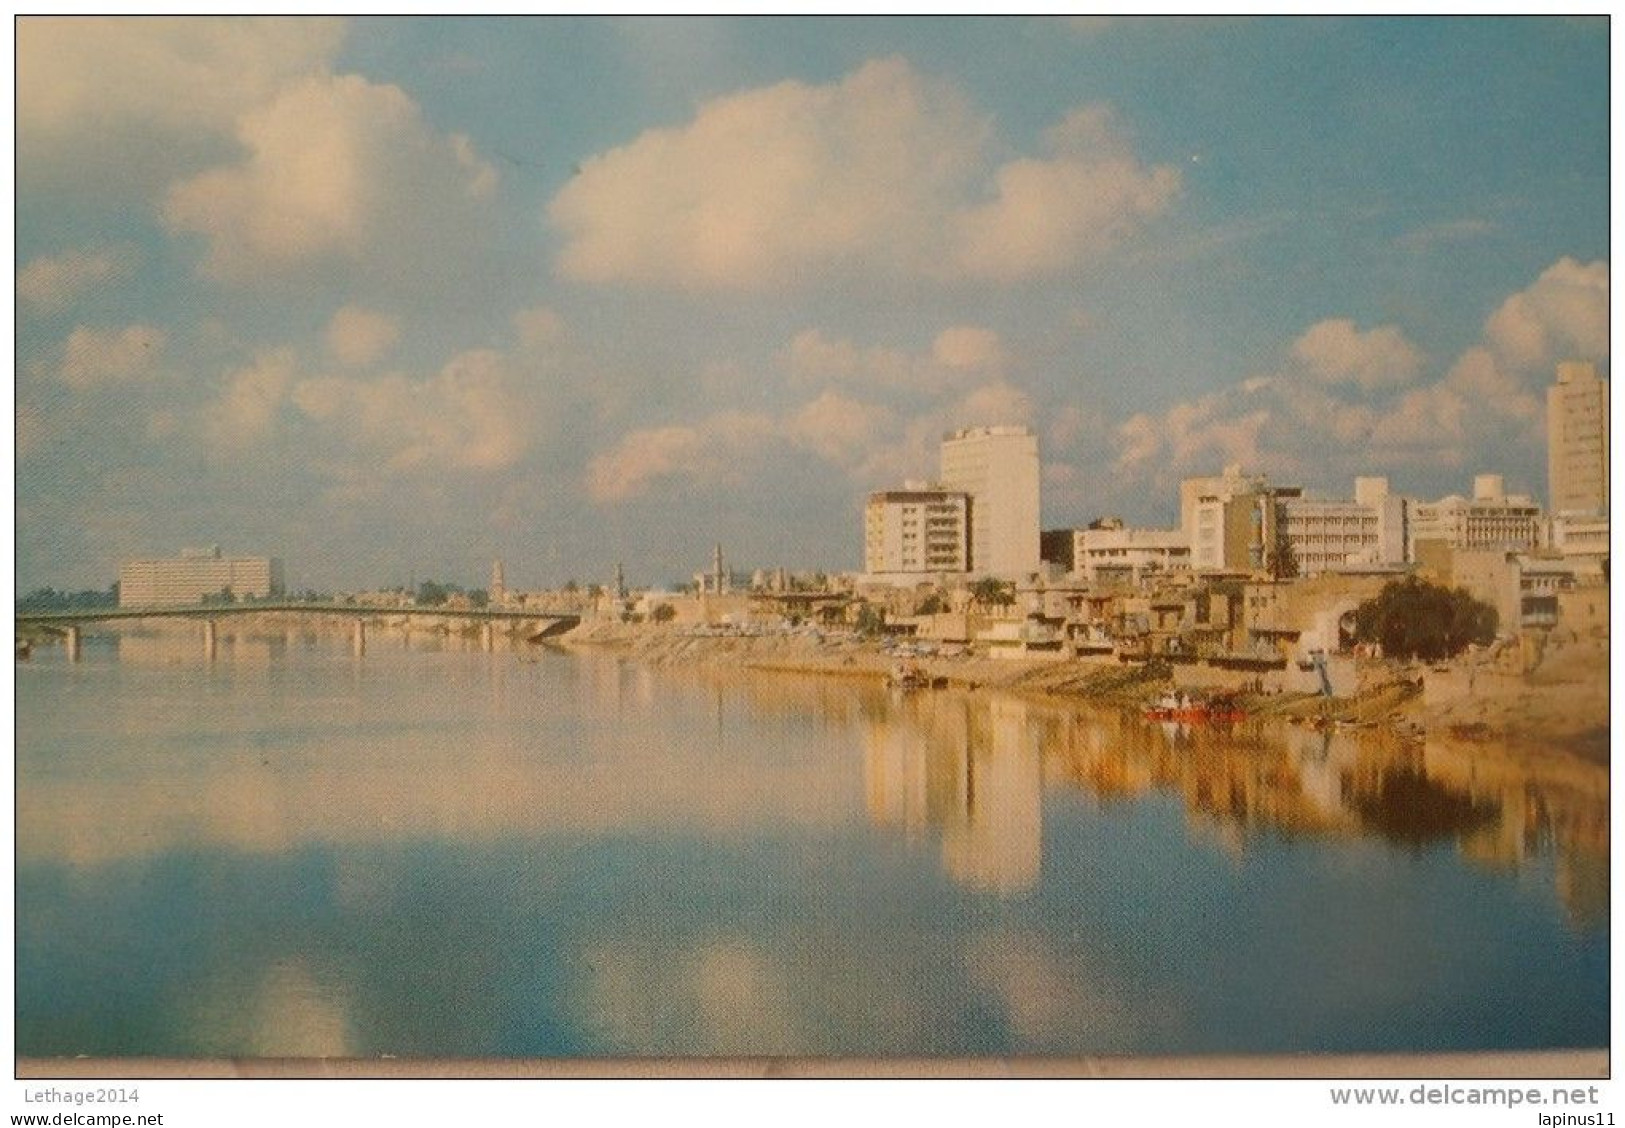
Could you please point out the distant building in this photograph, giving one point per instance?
(1581, 539)
(918, 530)
(998, 468)
(195, 574)
(1232, 521)
(1524, 589)
(1108, 553)
(1577, 440)
(1336, 536)
(1491, 519)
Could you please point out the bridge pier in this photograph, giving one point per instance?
(488, 636)
(208, 639)
(358, 638)
(73, 644)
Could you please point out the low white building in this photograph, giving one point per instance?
(195, 574)
(1107, 553)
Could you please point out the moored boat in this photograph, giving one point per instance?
(1180, 706)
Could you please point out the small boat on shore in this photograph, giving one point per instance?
(1181, 706)
(913, 677)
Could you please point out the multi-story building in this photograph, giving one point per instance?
(1490, 519)
(1577, 440)
(195, 574)
(917, 530)
(1582, 539)
(998, 468)
(1335, 536)
(1108, 553)
(1232, 521)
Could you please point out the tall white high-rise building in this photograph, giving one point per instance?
(1577, 440)
(998, 468)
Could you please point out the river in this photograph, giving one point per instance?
(437, 852)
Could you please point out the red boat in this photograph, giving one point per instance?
(1183, 707)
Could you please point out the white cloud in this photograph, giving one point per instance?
(884, 172)
(1336, 352)
(338, 170)
(96, 357)
(969, 347)
(52, 283)
(247, 410)
(1368, 405)
(1563, 315)
(470, 416)
(121, 93)
(359, 337)
(1049, 214)
(959, 355)
(1191, 436)
(711, 452)
(839, 429)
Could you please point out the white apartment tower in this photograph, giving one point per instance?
(1577, 439)
(917, 530)
(998, 468)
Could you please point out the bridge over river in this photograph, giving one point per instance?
(544, 624)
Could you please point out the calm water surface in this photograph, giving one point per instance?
(440, 852)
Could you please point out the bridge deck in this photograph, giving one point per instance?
(223, 610)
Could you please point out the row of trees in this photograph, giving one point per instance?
(49, 599)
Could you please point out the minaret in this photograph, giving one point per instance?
(499, 589)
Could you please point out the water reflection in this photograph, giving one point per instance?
(972, 769)
(969, 771)
(297, 852)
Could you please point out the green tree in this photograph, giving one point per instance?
(431, 594)
(1283, 561)
(1411, 618)
(871, 620)
(990, 592)
(932, 604)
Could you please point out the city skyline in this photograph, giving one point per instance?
(394, 298)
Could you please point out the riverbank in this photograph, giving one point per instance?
(1561, 705)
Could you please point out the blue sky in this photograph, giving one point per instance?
(391, 298)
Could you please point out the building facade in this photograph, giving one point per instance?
(919, 530)
(1107, 553)
(1232, 521)
(1582, 539)
(1491, 519)
(197, 574)
(998, 468)
(1335, 536)
(1577, 440)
